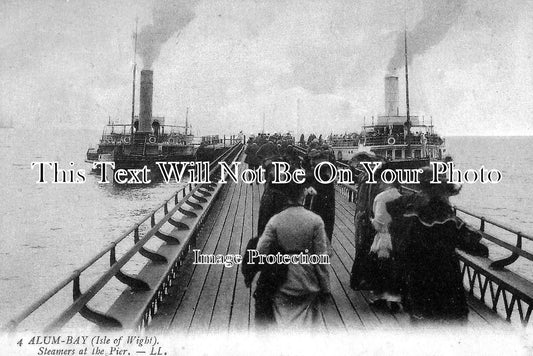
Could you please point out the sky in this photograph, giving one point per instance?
(69, 63)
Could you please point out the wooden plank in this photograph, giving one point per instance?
(240, 316)
(491, 319)
(345, 216)
(224, 302)
(350, 318)
(186, 309)
(342, 249)
(345, 266)
(367, 316)
(208, 295)
(349, 207)
(256, 201)
(168, 308)
(330, 315)
(475, 320)
(345, 238)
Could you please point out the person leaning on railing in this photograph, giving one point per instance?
(425, 233)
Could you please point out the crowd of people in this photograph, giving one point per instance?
(405, 250)
(405, 244)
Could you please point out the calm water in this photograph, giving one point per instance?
(49, 230)
(509, 202)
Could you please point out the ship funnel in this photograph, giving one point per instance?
(145, 111)
(391, 96)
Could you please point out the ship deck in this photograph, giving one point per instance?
(212, 298)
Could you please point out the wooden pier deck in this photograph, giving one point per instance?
(213, 298)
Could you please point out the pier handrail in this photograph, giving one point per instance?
(77, 272)
(516, 250)
(483, 220)
(486, 279)
(81, 300)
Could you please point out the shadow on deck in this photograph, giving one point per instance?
(212, 298)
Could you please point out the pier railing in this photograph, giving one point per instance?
(492, 280)
(162, 265)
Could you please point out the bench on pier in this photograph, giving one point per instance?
(492, 285)
(135, 308)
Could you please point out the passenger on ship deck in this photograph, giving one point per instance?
(295, 299)
(425, 233)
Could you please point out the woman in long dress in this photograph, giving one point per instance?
(296, 230)
(425, 233)
(384, 282)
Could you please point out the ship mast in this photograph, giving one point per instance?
(187, 121)
(408, 119)
(134, 71)
(298, 105)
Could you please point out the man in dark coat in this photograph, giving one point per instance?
(323, 203)
(273, 199)
(267, 150)
(251, 155)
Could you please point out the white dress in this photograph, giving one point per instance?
(382, 245)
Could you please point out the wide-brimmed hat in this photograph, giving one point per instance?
(442, 187)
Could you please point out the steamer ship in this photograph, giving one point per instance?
(400, 137)
(148, 140)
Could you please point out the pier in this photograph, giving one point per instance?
(171, 293)
(213, 298)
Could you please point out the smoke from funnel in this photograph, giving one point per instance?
(168, 17)
(438, 17)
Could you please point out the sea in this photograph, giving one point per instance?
(49, 230)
